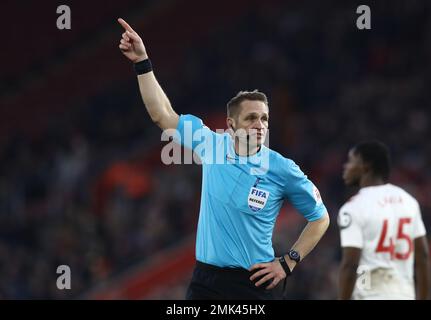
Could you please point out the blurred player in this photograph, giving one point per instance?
(240, 199)
(383, 238)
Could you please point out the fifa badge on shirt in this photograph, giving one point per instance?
(257, 199)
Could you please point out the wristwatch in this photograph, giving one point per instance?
(294, 255)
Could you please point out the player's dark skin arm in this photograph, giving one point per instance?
(422, 268)
(347, 273)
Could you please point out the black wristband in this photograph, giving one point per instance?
(143, 66)
(285, 266)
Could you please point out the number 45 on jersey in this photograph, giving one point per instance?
(401, 236)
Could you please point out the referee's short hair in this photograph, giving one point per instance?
(233, 106)
(377, 155)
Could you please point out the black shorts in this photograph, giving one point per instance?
(210, 282)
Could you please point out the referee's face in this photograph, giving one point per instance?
(253, 119)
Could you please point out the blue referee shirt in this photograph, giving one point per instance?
(242, 196)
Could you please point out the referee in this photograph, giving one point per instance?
(241, 197)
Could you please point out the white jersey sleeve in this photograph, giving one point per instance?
(418, 224)
(349, 222)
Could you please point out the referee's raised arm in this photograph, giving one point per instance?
(157, 103)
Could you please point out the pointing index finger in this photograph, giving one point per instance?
(125, 25)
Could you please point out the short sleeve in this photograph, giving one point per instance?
(418, 224)
(302, 193)
(350, 228)
(193, 134)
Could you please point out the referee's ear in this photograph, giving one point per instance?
(229, 122)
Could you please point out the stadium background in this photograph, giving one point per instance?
(81, 181)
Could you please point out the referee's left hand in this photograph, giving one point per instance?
(271, 270)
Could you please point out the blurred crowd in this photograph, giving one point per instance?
(92, 193)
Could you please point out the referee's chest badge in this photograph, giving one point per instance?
(257, 199)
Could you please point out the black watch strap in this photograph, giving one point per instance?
(285, 266)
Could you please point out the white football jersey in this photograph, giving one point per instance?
(383, 221)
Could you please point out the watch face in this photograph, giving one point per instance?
(294, 255)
